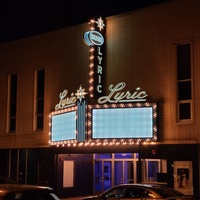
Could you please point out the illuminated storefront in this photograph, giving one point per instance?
(115, 101)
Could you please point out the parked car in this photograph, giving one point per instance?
(26, 192)
(139, 191)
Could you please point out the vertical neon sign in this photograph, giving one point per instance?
(96, 42)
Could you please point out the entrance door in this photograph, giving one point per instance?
(123, 172)
(103, 176)
(120, 168)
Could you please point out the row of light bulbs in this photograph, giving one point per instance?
(104, 142)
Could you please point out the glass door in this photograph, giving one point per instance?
(120, 168)
(128, 172)
(151, 167)
(103, 176)
(123, 172)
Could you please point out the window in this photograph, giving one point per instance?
(39, 101)
(151, 169)
(12, 103)
(184, 82)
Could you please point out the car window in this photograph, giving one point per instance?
(137, 193)
(116, 193)
(129, 192)
(145, 194)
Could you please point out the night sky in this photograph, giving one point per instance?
(23, 18)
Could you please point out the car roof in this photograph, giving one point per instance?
(138, 185)
(5, 188)
(22, 187)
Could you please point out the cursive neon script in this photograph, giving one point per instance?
(65, 102)
(116, 97)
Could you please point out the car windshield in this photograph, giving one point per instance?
(167, 192)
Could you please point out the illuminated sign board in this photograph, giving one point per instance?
(122, 123)
(95, 39)
(63, 125)
(119, 117)
(67, 122)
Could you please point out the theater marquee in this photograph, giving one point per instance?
(120, 117)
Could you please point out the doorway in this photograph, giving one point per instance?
(113, 169)
(120, 168)
(103, 175)
(123, 172)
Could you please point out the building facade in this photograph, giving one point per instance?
(144, 58)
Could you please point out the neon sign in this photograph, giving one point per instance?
(96, 42)
(66, 102)
(123, 97)
(120, 117)
(93, 38)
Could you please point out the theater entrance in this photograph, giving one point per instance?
(119, 168)
(114, 169)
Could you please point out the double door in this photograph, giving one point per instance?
(113, 172)
(114, 169)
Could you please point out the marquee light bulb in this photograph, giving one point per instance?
(91, 57)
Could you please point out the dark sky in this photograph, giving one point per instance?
(22, 18)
